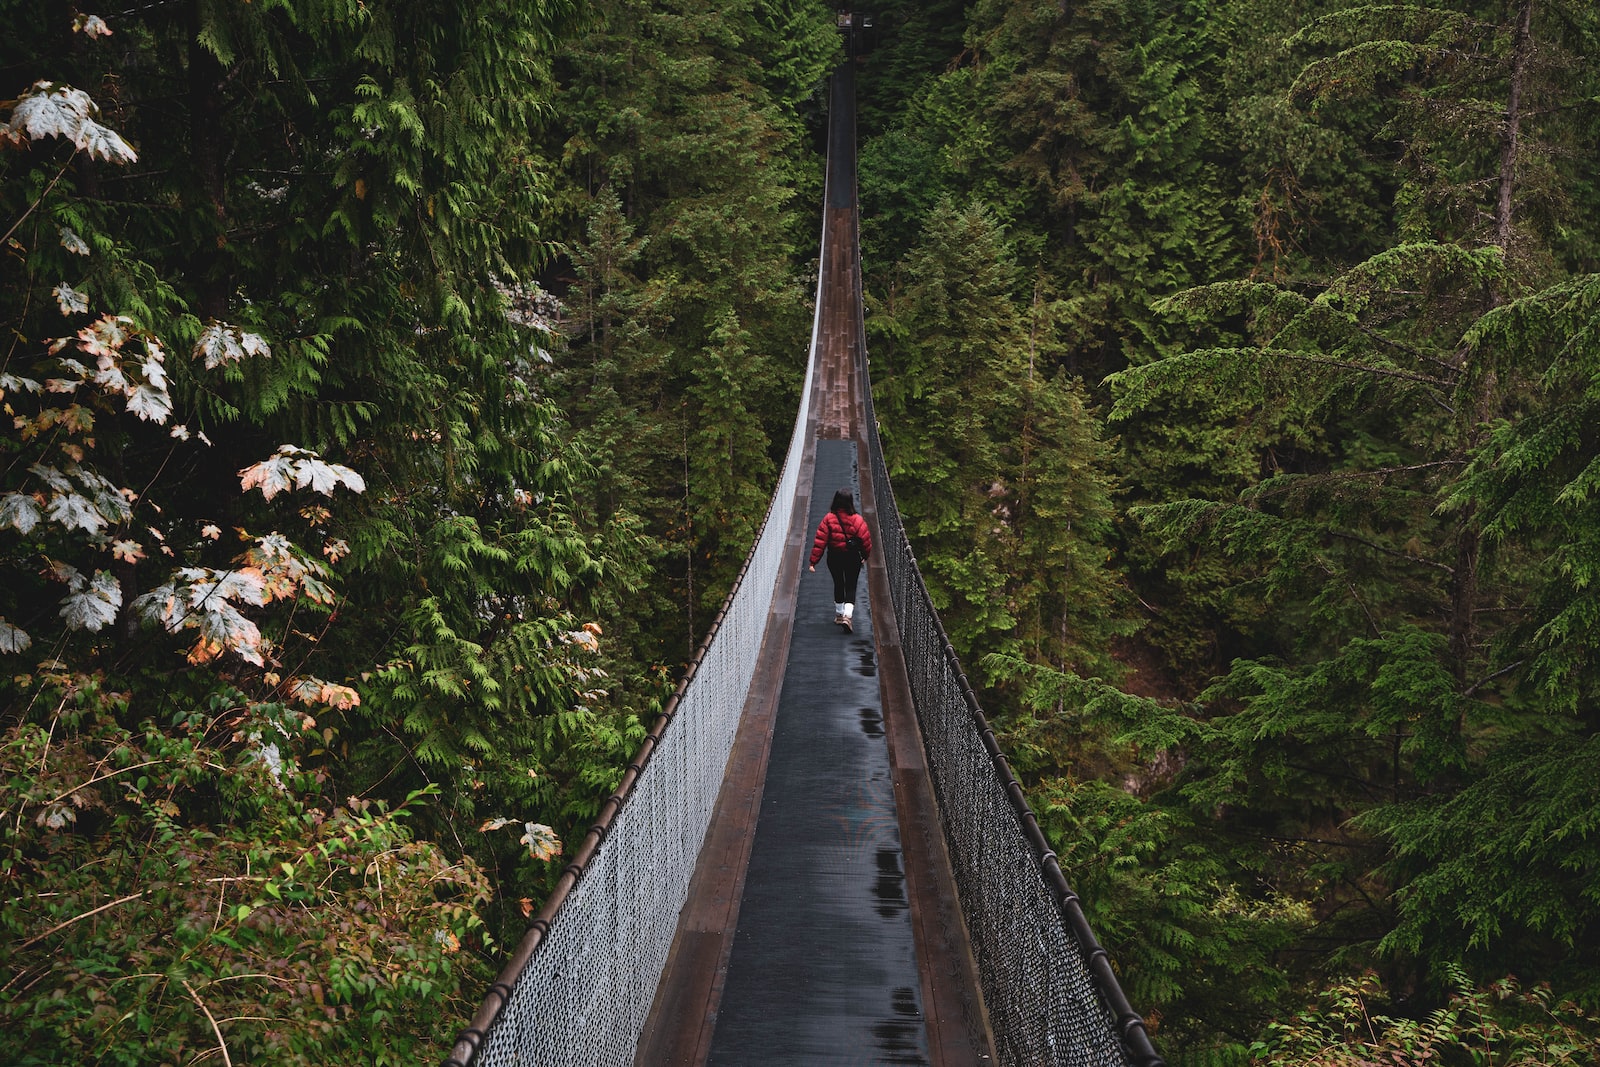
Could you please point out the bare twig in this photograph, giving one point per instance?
(237, 977)
(36, 938)
(215, 1029)
(103, 777)
(1481, 682)
(39, 201)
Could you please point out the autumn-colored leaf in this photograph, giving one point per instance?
(542, 842)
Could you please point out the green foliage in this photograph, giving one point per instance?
(679, 357)
(999, 469)
(1502, 1023)
(1332, 265)
(337, 265)
(182, 881)
(1193, 932)
(1507, 857)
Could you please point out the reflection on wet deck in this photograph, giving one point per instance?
(824, 963)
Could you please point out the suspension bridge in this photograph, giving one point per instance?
(819, 855)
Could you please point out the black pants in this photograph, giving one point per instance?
(845, 566)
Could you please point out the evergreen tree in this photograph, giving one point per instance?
(1391, 692)
(666, 112)
(997, 469)
(284, 223)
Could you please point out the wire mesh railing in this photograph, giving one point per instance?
(1048, 986)
(579, 987)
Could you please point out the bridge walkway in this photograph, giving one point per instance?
(822, 925)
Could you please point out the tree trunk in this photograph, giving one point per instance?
(1477, 412)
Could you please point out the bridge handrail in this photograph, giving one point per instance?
(1030, 1026)
(554, 1024)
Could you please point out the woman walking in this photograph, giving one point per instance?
(844, 536)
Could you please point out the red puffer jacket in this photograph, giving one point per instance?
(834, 530)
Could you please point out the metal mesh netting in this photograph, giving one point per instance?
(584, 994)
(1043, 1003)
(1035, 954)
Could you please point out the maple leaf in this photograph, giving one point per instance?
(73, 512)
(12, 383)
(91, 26)
(55, 816)
(12, 639)
(49, 109)
(542, 842)
(51, 477)
(127, 550)
(315, 591)
(69, 300)
(271, 476)
(325, 477)
(254, 345)
(221, 343)
(112, 502)
(309, 690)
(301, 468)
(494, 824)
(224, 628)
(74, 244)
(93, 605)
(106, 336)
(246, 584)
(66, 572)
(102, 142)
(210, 531)
(150, 403)
(217, 345)
(77, 418)
(584, 639)
(20, 512)
(154, 368)
(336, 550)
(200, 598)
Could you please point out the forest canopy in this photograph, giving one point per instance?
(395, 388)
(386, 423)
(1266, 506)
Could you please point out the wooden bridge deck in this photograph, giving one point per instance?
(822, 925)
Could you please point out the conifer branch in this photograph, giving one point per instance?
(1415, 353)
(1343, 536)
(1331, 476)
(1385, 372)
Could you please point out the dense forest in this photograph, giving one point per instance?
(395, 389)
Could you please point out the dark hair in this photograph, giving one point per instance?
(843, 503)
